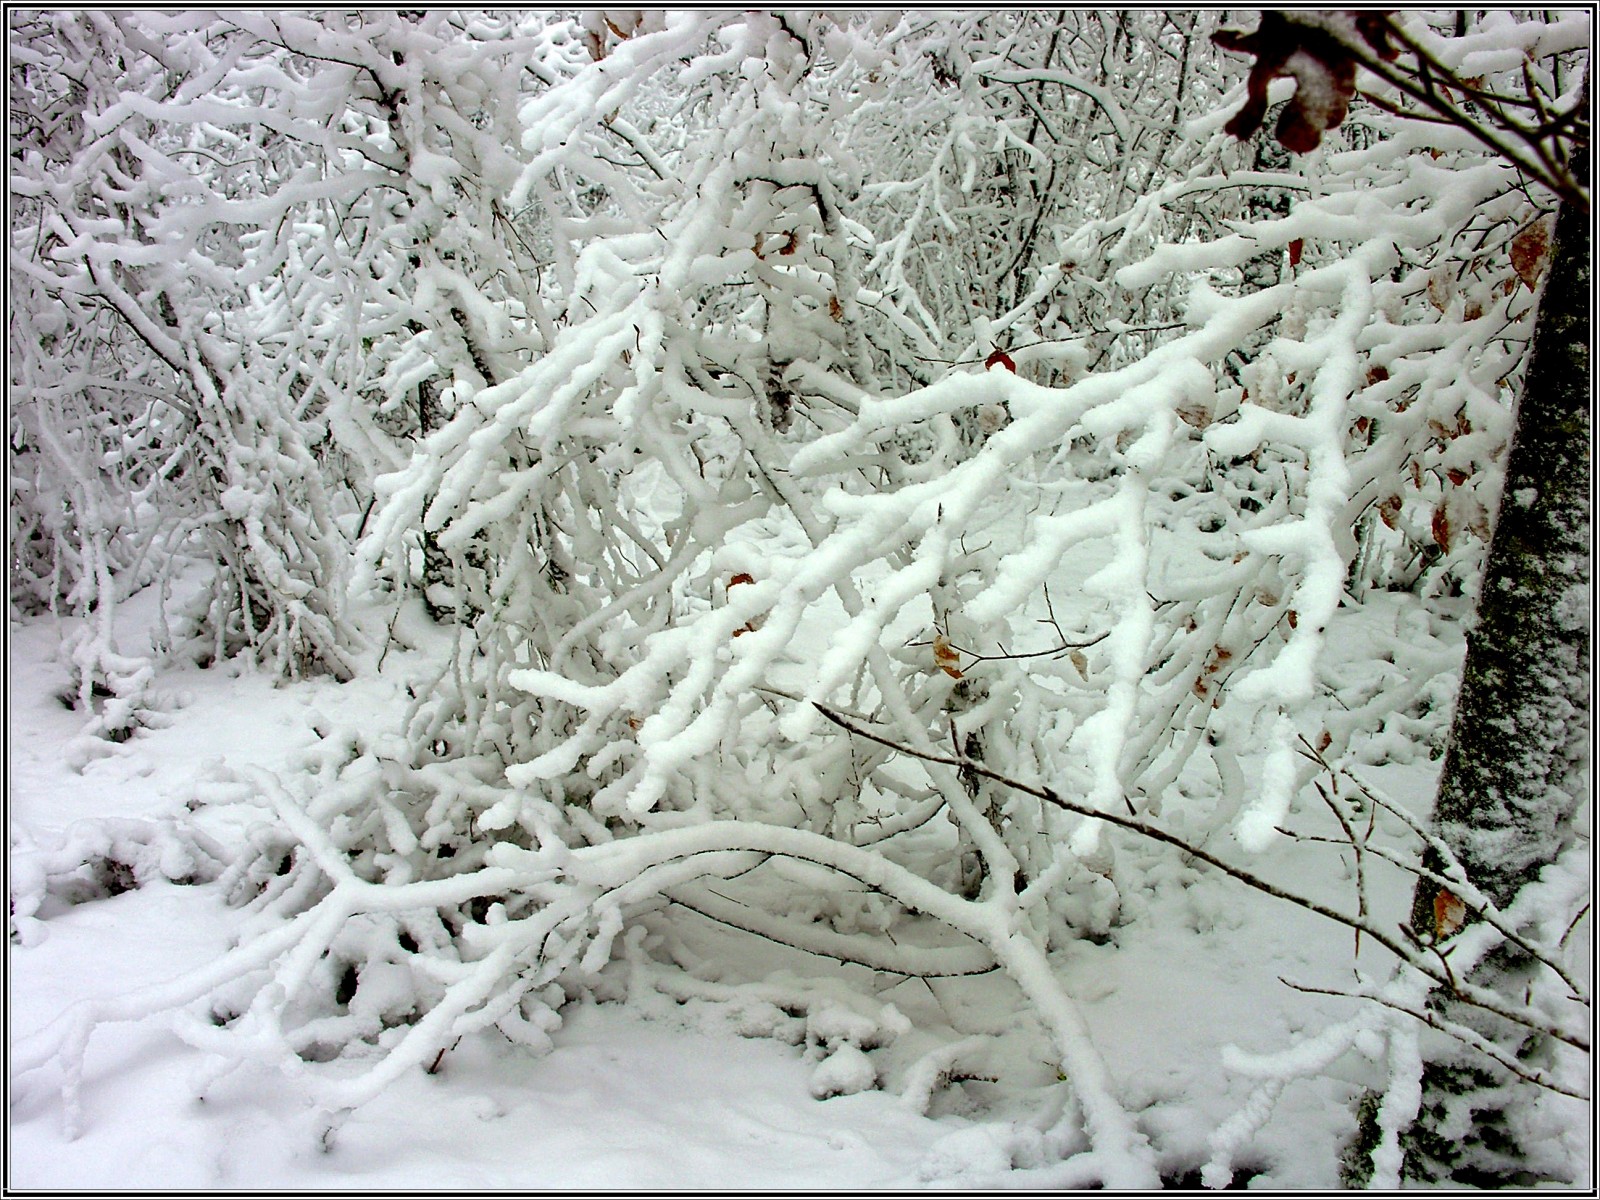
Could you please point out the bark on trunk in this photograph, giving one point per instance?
(1517, 764)
(1514, 771)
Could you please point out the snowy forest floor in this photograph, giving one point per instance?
(641, 1093)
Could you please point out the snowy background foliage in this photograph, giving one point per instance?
(896, 533)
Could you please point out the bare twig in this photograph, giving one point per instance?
(838, 952)
(1452, 1029)
(779, 692)
(1582, 912)
(1054, 650)
(1464, 992)
(1356, 846)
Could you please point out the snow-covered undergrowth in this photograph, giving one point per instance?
(724, 558)
(951, 1047)
(876, 1076)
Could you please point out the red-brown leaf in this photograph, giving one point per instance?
(1449, 913)
(1441, 528)
(1389, 510)
(1296, 247)
(1324, 71)
(1374, 28)
(1529, 251)
(1220, 657)
(1000, 359)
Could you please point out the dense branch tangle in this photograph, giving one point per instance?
(668, 360)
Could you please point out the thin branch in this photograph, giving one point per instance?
(839, 954)
(1581, 913)
(1473, 996)
(1350, 837)
(1476, 903)
(772, 691)
(1451, 1028)
(1061, 649)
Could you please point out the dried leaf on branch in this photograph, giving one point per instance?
(1530, 251)
(1287, 46)
(945, 657)
(1449, 913)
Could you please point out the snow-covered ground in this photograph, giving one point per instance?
(643, 1093)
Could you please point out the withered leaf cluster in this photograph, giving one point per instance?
(1305, 48)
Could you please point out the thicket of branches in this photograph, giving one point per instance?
(637, 349)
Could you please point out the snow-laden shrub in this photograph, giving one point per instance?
(96, 859)
(694, 492)
(158, 406)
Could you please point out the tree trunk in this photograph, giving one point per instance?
(1514, 772)
(1516, 769)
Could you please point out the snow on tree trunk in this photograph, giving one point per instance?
(1514, 772)
(1518, 762)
